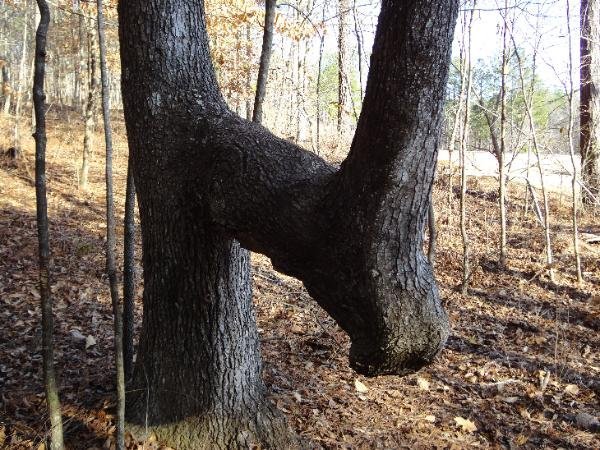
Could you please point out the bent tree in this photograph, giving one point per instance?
(212, 186)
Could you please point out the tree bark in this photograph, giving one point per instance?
(590, 99)
(501, 154)
(20, 85)
(6, 89)
(129, 272)
(39, 100)
(90, 107)
(208, 179)
(265, 59)
(111, 252)
(343, 93)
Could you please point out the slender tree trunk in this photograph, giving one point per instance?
(589, 143)
(39, 99)
(249, 112)
(319, 69)
(265, 59)
(21, 84)
(90, 107)
(129, 272)
(359, 49)
(528, 101)
(342, 105)
(111, 264)
(502, 152)
(456, 124)
(209, 182)
(574, 185)
(463, 160)
(6, 88)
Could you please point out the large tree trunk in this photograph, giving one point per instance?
(590, 99)
(207, 179)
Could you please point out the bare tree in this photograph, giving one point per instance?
(39, 100)
(111, 237)
(468, 28)
(265, 58)
(528, 103)
(90, 107)
(342, 67)
(21, 84)
(574, 185)
(502, 151)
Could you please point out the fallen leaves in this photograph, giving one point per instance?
(360, 387)
(423, 384)
(465, 425)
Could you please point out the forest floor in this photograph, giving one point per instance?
(521, 369)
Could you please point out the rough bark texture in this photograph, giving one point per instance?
(39, 100)
(90, 107)
(128, 273)
(207, 179)
(590, 98)
(111, 238)
(265, 59)
(343, 93)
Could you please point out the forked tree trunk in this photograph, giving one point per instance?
(207, 179)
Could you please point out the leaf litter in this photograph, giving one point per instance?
(521, 368)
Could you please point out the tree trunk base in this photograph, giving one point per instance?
(265, 428)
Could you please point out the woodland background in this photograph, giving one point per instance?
(522, 367)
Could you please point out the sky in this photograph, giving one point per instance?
(544, 18)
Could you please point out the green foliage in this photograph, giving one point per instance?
(485, 97)
(329, 88)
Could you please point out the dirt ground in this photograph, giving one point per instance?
(521, 370)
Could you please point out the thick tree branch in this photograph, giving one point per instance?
(353, 236)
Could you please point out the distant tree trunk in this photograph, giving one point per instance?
(129, 272)
(457, 121)
(528, 102)
(265, 58)
(359, 49)
(210, 182)
(39, 100)
(111, 253)
(249, 72)
(90, 107)
(590, 99)
(6, 89)
(21, 85)
(342, 105)
(319, 70)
